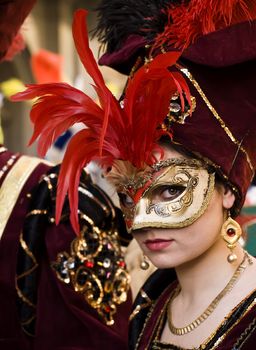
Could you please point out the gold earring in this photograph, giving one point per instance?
(231, 232)
(144, 265)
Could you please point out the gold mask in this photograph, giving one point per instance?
(172, 194)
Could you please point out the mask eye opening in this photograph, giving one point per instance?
(125, 200)
(167, 193)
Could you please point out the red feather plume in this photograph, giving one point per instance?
(129, 133)
(189, 21)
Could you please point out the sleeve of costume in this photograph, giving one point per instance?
(18, 175)
(73, 290)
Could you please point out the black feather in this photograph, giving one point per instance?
(117, 19)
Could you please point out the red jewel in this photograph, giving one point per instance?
(89, 264)
(231, 232)
(121, 263)
(107, 308)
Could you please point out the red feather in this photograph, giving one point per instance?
(81, 149)
(191, 20)
(146, 104)
(59, 107)
(130, 133)
(82, 45)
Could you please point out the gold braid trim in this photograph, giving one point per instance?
(86, 218)
(24, 323)
(22, 296)
(12, 186)
(186, 72)
(48, 181)
(30, 254)
(137, 310)
(37, 212)
(108, 201)
(92, 197)
(245, 335)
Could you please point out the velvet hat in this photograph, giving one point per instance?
(217, 41)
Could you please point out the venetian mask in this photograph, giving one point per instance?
(173, 193)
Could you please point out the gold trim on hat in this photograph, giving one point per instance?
(216, 115)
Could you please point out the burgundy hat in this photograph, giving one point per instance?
(218, 60)
(12, 15)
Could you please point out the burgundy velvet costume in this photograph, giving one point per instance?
(238, 330)
(63, 319)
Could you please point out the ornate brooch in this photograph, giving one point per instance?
(95, 267)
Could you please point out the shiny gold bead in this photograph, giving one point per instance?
(144, 265)
(231, 258)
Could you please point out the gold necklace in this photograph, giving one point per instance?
(209, 310)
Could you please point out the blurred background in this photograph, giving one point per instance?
(49, 56)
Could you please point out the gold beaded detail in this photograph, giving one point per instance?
(8, 164)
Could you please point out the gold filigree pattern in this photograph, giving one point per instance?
(145, 205)
(181, 203)
(95, 267)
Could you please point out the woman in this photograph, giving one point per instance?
(180, 149)
(207, 287)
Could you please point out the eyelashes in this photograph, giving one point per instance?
(164, 193)
(167, 193)
(125, 200)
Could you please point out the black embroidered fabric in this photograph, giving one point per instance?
(32, 246)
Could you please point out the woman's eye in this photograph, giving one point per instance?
(167, 193)
(126, 200)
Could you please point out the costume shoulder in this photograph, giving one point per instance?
(84, 276)
(18, 175)
(149, 294)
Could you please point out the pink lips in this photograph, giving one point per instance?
(157, 244)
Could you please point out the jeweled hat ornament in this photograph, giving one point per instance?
(191, 67)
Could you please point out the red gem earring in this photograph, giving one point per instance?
(231, 232)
